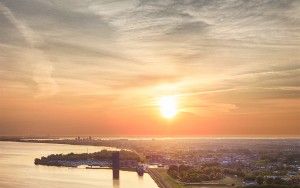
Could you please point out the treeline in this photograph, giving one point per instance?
(65, 159)
(267, 180)
(189, 174)
(209, 172)
(283, 157)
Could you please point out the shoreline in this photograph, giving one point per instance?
(157, 174)
(157, 178)
(19, 171)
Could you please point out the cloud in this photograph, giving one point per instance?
(42, 67)
(69, 48)
(189, 28)
(140, 81)
(103, 39)
(285, 76)
(102, 55)
(27, 33)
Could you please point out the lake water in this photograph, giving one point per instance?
(17, 169)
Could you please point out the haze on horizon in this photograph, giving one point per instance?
(72, 67)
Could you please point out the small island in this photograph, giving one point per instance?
(128, 159)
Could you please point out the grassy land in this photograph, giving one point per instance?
(229, 181)
(165, 181)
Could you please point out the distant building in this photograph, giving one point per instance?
(116, 164)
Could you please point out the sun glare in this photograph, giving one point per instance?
(168, 106)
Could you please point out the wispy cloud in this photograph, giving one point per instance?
(28, 34)
(233, 55)
(42, 67)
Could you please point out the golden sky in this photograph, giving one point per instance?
(70, 67)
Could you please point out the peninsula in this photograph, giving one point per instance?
(128, 159)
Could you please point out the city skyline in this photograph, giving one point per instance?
(164, 68)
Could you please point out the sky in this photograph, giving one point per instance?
(85, 67)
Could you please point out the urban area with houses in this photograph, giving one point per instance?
(192, 162)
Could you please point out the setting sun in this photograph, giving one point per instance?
(168, 106)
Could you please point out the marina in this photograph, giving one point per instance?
(19, 171)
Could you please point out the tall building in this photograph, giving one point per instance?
(116, 164)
